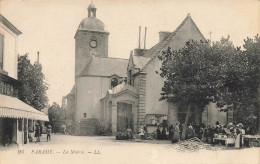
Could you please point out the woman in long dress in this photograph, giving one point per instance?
(177, 132)
(237, 141)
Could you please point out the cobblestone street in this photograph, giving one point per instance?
(105, 149)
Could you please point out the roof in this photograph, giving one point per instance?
(160, 108)
(91, 6)
(139, 61)
(155, 50)
(149, 53)
(9, 25)
(92, 24)
(121, 87)
(73, 90)
(100, 66)
(12, 107)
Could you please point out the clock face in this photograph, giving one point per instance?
(93, 43)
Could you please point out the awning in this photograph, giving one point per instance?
(12, 107)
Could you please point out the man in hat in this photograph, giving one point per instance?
(48, 133)
(37, 132)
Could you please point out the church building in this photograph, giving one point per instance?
(120, 93)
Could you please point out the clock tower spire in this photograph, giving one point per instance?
(91, 39)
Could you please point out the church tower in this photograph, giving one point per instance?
(91, 39)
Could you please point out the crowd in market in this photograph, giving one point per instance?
(199, 130)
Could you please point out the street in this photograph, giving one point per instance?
(105, 149)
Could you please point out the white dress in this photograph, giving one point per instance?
(141, 132)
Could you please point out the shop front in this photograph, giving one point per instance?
(17, 119)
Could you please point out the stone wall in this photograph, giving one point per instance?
(89, 92)
(214, 115)
(172, 114)
(83, 50)
(142, 100)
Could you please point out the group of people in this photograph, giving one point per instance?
(205, 133)
(38, 132)
(199, 130)
(229, 130)
(125, 136)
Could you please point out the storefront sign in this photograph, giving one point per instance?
(6, 89)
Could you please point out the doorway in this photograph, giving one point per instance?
(124, 116)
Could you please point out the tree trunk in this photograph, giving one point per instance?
(183, 136)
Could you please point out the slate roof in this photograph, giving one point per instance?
(155, 50)
(100, 66)
(139, 61)
(92, 24)
(73, 90)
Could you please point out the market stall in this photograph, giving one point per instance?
(224, 138)
(251, 140)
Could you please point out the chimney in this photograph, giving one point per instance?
(38, 57)
(139, 44)
(163, 35)
(145, 37)
(139, 52)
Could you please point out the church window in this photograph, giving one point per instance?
(114, 82)
(85, 115)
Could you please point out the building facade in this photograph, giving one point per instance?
(16, 117)
(123, 93)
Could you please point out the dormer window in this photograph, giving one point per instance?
(114, 82)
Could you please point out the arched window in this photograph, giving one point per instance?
(114, 82)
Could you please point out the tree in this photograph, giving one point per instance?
(56, 116)
(191, 76)
(241, 82)
(33, 91)
(222, 73)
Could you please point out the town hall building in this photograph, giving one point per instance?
(120, 93)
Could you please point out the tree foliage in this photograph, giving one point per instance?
(200, 73)
(33, 91)
(56, 115)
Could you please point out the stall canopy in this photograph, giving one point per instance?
(12, 107)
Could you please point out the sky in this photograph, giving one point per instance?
(49, 26)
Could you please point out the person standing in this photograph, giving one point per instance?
(141, 133)
(177, 132)
(164, 136)
(171, 132)
(129, 132)
(48, 133)
(37, 132)
(158, 133)
(190, 132)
